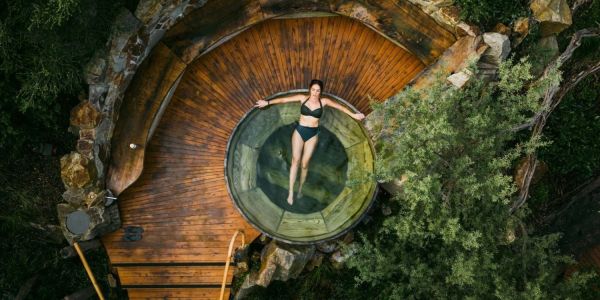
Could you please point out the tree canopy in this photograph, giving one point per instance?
(452, 235)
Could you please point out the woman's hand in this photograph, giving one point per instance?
(261, 103)
(358, 116)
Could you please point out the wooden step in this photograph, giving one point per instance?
(207, 293)
(138, 276)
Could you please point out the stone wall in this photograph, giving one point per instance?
(88, 203)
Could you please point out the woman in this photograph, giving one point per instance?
(305, 136)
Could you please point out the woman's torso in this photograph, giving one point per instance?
(310, 112)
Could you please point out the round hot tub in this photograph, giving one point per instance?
(337, 191)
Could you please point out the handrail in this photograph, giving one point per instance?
(88, 270)
(227, 260)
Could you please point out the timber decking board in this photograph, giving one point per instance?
(181, 198)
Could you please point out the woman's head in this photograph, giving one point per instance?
(315, 87)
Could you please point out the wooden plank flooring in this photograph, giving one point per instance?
(181, 198)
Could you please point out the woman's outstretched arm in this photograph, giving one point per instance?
(292, 98)
(329, 102)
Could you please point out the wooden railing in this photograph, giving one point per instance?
(228, 259)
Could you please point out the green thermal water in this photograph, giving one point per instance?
(326, 175)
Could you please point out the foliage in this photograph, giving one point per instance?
(489, 12)
(452, 235)
(28, 250)
(573, 128)
(44, 45)
(43, 48)
(324, 282)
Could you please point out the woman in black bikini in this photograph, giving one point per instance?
(305, 136)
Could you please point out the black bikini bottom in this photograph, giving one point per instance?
(307, 132)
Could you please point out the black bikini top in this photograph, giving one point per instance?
(317, 113)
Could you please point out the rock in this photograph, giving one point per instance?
(82, 224)
(283, 261)
(348, 238)
(502, 29)
(85, 147)
(75, 196)
(327, 246)
(97, 94)
(339, 257)
(112, 281)
(76, 170)
(547, 50)
(279, 262)
(247, 286)
(554, 15)
(540, 170)
(241, 258)
(386, 210)
(499, 48)
(460, 79)
(449, 15)
(467, 29)
(510, 236)
(549, 45)
(85, 115)
(520, 31)
(89, 134)
(264, 239)
(395, 186)
(95, 70)
(465, 50)
(315, 261)
(95, 198)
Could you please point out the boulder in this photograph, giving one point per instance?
(499, 48)
(546, 51)
(460, 79)
(279, 261)
(395, 186)
(554, 15)
(502, 29)
(282, 261)
(96, 69)
(339, 257)
(74, 196)
(85, 115)
(386, 210)
(77, 171)
(85, 147)
(540, 170)
(463, 29)
(315, 261)
(520, 31)
(327, 246)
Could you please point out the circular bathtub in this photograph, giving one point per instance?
(337, 191)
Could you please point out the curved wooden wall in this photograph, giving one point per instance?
(216, 22)
(181, 199)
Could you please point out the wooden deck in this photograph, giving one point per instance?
(181, 199)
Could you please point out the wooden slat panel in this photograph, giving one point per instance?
(173, 275)
(148, 90)
(177, 293)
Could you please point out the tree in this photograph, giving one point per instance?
(452, 235)
(44, 46)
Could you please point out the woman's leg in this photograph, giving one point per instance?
(309, 148)
(297, 144)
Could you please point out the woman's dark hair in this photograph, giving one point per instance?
(317, 82)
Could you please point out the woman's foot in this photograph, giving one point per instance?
(290, 199)
(299, 195)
